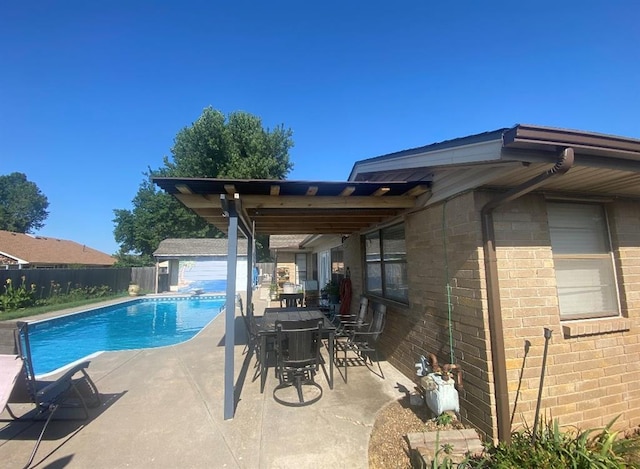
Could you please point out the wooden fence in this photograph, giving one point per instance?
(145, 277)
(45, 279)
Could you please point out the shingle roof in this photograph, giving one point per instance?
(175, 247)
(52, 251)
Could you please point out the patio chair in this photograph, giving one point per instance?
(74, 388)
(252, 333)
(346, 322)
(253, 339)
(297, 361)
(362, 340)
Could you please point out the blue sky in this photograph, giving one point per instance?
(93, 93)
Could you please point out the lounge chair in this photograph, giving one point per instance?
(298, 360)
(74, 388)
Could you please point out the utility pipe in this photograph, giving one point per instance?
(547, 336)
(563, 164)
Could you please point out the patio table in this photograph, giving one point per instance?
(266, 327)
(291, 300)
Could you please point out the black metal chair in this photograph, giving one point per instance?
(363, 341)
(74, 388)
(345, 323)
(253, 342)
(297, 361)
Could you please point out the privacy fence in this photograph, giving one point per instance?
(47, 281)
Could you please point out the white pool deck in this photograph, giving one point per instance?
(163, 408)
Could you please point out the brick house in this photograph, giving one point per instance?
(23, 251)
(493, 239)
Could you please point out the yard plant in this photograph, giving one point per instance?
(553, 447)
(21, 300)
(16, 297)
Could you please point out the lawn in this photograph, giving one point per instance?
(37, 310)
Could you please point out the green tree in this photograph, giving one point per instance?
(23, 207)
(214, 146)
(156, 215)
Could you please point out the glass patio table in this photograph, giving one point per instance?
(266, 328)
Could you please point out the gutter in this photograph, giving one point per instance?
(563, 164)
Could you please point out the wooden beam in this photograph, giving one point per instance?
(320, 202)
(381, 191)
(347, 191)
(317, 212)
(312, 190)
(417, 190)
(312, 219)
(274, 190)
(194, 201)
(183, 189)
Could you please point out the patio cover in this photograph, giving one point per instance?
(296, 207)
(258, 206)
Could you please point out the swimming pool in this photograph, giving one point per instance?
(137, 324)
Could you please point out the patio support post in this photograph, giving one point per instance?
(232, 210)
(249, 274)
(563, 164)
(230, 317)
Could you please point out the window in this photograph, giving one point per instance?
(386, 263)
(301, 267)
(585, 272)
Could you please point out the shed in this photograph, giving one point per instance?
(197, 265)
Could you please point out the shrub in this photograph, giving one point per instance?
(17, 297)
(24, 296)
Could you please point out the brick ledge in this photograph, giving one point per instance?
(594, 327)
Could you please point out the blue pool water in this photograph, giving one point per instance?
(142, 323)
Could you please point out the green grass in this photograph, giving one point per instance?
(36, 310)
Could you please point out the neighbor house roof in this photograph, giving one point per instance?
(192, 247)
(41, 250)
(286, 241)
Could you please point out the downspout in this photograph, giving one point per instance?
(563, 164)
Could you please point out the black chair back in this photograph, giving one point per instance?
(378, 321)
(298, 343)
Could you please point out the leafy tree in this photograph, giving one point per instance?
(156, 215)
(236, 147)
(23, 208)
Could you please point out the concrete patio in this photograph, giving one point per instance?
(164, 408)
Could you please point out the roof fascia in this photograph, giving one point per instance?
(531, 136)
(479, 152)
(17, 259)
(323, 242)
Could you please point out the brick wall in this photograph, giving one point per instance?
(423, 326)
(592, 367)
